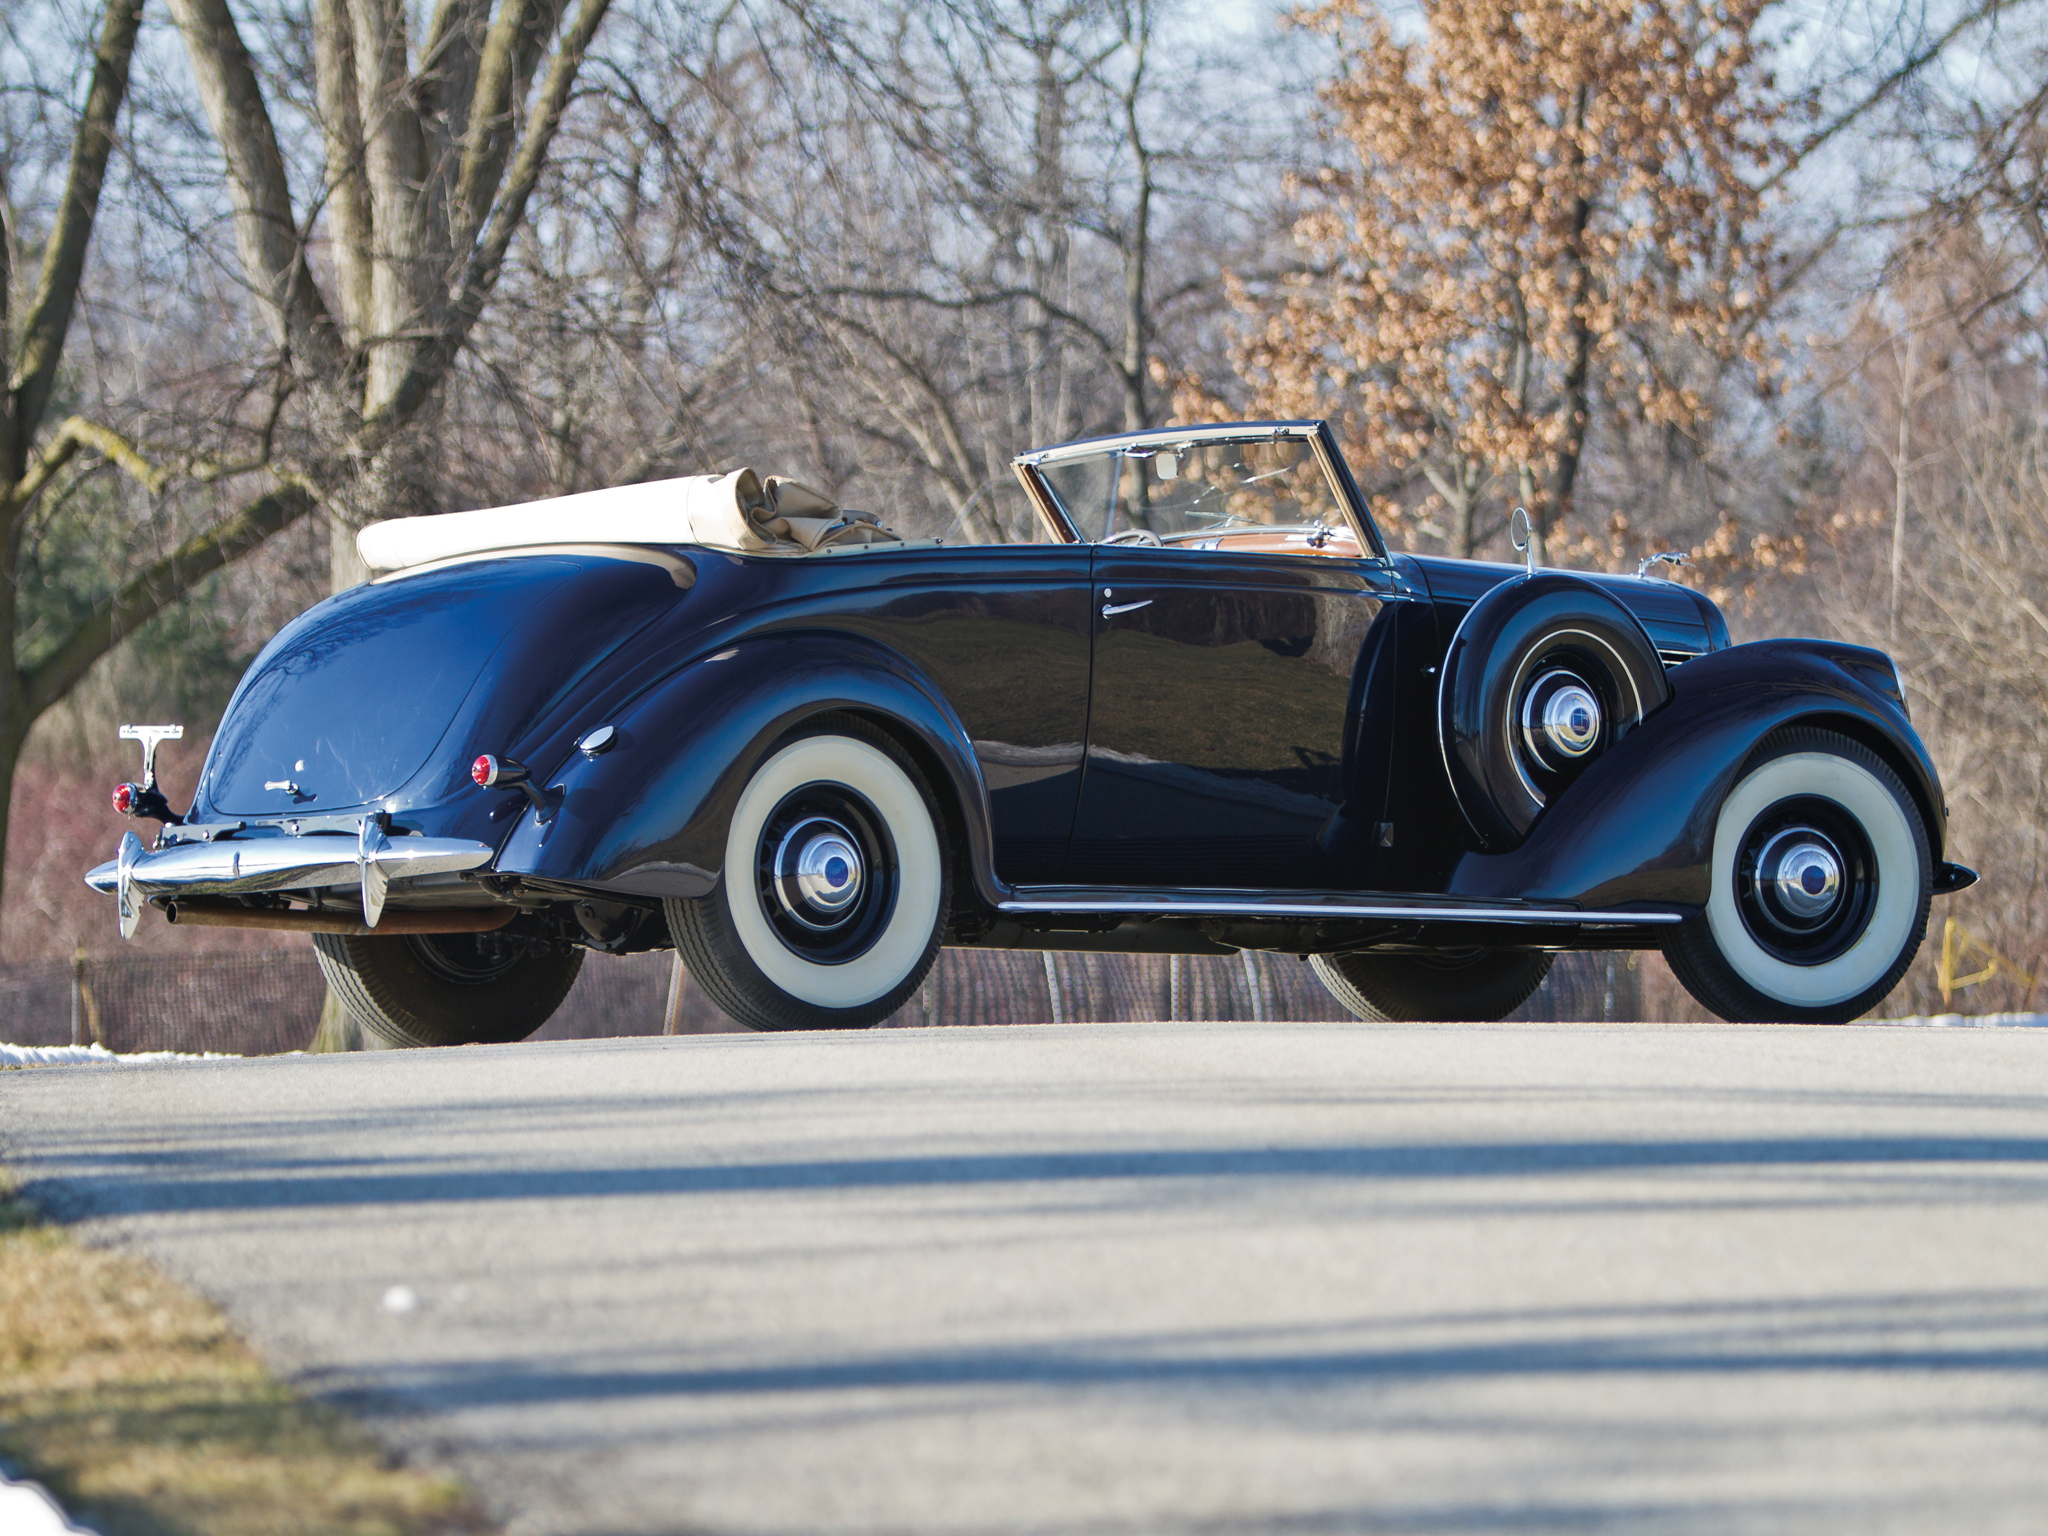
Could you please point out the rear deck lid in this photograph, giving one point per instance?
(351, 698)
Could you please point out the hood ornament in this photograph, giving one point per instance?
(1673, 557)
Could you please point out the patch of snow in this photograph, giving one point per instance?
(25, 1510)
(1973, 1021)
(94, 1056)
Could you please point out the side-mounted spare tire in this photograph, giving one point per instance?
(1545, 673)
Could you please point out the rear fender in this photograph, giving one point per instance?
(1638, 826)
(648, 816)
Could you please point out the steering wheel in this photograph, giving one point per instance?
(1135, 536)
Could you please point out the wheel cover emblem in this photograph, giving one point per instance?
(819, 872)
(1798, 878)
(1805, 880)
(1571, 719)
(1561, 720)
(825, 867)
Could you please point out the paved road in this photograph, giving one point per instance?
(1257, 1279)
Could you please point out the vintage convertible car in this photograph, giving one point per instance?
(1209, 711)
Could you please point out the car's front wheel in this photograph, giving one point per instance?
(835, 889)
(1820, 883)
(1477, 986)
(447, 989)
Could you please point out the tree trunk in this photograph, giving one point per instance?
(1463, 512)
(431, 295)
(11, 742)
(1577, 404)
(1137, 356)
(345, 567)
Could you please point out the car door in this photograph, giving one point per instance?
(1004, 632)
(1232, 738)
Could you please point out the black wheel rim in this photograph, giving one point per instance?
(464, 959)
(826, 870)
(1806, 880)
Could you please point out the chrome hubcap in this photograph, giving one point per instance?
(818, 872)
(1560, 719)
(1798, 876)
(1571, 719)
(1805, 880)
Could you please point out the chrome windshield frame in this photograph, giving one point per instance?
(1321, 440)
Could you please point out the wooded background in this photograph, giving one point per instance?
(1759, 281)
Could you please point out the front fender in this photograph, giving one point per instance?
(648, 817)
(1638, 826)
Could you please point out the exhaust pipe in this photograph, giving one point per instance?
(396, 920)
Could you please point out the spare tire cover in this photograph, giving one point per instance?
(1522, 626)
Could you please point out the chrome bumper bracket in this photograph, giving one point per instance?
(371, 848)
(127, 910)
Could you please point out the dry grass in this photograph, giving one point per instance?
(133, 1402)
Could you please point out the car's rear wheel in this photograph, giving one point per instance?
(835, 889)
(447, 989)
(1468, 986)
(1820, 884)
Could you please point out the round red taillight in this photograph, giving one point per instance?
(484, 770)
(124, 799)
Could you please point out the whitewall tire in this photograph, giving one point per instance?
(1820, 879)
(835, 889)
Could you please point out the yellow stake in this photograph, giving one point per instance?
(1956, 941)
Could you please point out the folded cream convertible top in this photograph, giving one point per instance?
(738, 511)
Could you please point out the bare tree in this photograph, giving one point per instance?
(36, 453)
(1935, 542)
(943, 232)
(433, 148)
(430, 167)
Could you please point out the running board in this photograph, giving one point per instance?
(1216, 904)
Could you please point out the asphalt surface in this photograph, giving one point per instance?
(1131, 1278)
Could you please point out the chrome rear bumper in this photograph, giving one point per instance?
(258, 865)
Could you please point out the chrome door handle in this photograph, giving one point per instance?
(1110, 610)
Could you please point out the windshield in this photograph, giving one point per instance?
(1187, 493)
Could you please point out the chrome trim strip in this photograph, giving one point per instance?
(1342, 484)
(1180, 906)
(1210, 432)
(1337, 470)
(247, 867)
